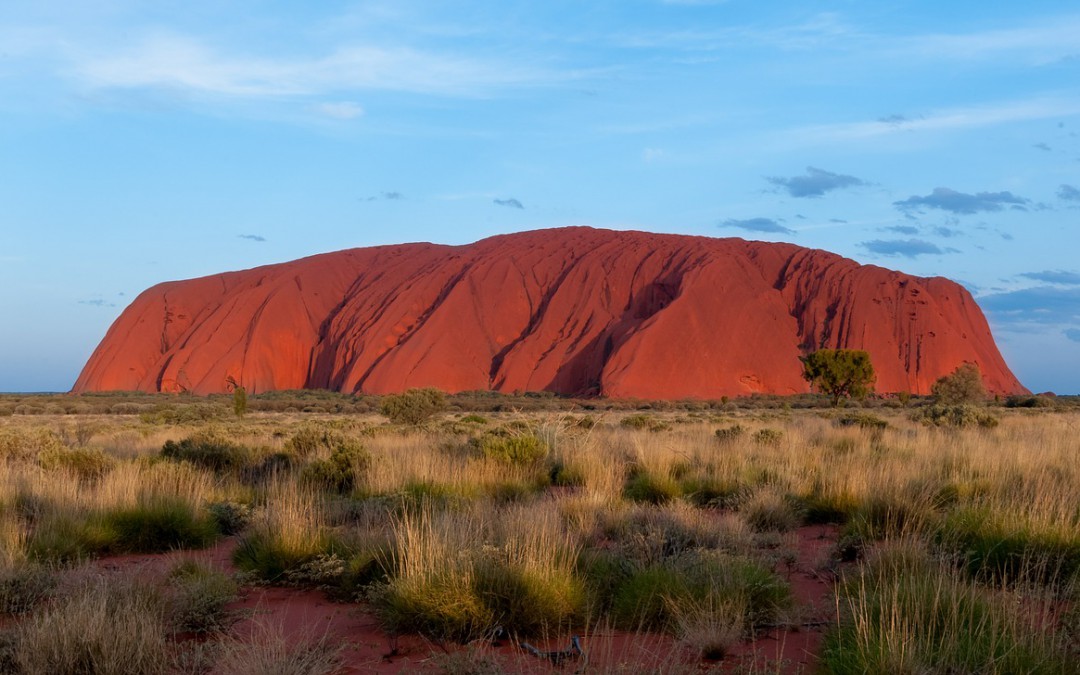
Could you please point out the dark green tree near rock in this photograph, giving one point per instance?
(840, 373)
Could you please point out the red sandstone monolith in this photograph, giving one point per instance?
(575, 311)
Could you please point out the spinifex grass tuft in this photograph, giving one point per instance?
(458, 575)
(905, 612)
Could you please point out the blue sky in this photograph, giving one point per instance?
(144, 142)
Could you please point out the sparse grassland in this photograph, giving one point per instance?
(958, 546)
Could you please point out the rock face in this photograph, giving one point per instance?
(575, 311)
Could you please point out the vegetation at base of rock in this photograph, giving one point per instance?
(840, 373)
(209, 449)
(512, 448)
(961, 415)
(414, 406)
(684, 531)
(962, 386)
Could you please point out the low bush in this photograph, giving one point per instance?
(566, 474)
(86, 463)
(62, 536)
(454, 576)
(343, 470)
(989, 549)
(208, 449)
(413, 407)
(768, 436)
(658, 596)
(229, 517)
(20, 445)
(770, 511)
(730, 434)
(102, 627)
(643, 422)
(512, 448)
(198, 598)
(863, 420)
(270, 651)
(270, 557)
(1018, 401)
(23, 586)
(651, 488)
(962, 415)
(906, 613)
(157, 525)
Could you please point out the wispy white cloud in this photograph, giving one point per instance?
(1042, 42)
(340, 110)
(821, 30)
(650, 155)
(173, 61)
(944, 120)
(693, 3)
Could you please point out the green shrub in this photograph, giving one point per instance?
(229, 517)
(649, 488)
(18, 444)
(270, 651)
(710, 491)
(730, 434)
(653, 597)
(158, 525)
(769, 511)
(643, 422)
(269, 558)
(23, 586)
(65, 537)
(103, 627)
(271, 465)
(199, 597)
(314, 440)
(209, 450)
(906, 613)
(564, 474)
(1018, 401)
(863, 420)
(343, 470)
(963, 386)
(528, 601)
(86, 463)
(878, 518)
(768, 436)
(956, 416)
(414, 406)
(989, 550)
(521, 449)
(643, 601)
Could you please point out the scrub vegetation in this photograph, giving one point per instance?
(473, 518)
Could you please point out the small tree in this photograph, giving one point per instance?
(963, 385)
(840, 373)
(239, 396)
(239, 402)
(413, 406)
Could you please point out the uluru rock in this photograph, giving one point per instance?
(575, 311)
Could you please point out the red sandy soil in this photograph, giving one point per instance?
(307, 615)
(574, 311)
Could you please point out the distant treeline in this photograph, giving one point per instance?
(187, 407)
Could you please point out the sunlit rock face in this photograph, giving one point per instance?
(575, 311)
